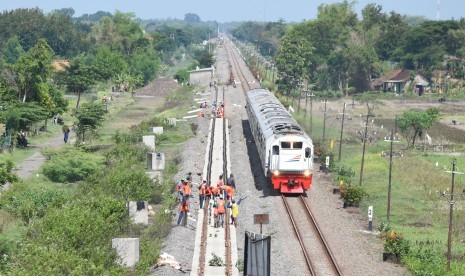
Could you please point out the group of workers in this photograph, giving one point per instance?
(221, 197)
(217, 109)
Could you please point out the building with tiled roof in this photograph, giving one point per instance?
(397, 81)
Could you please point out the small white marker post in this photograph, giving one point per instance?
(370, 218)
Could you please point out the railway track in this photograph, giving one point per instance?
(317, 254)
(218, 141)
(236, 67)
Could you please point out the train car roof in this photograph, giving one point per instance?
(272, 116)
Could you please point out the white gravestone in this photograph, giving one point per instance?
(127, 250)
(149, 141)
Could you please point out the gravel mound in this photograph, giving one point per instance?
(160, 87)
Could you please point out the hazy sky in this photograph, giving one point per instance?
(237, 10)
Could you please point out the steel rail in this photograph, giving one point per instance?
(297, 233)
(225, 175)
(245, 85)
(321, 237)
(203, 239)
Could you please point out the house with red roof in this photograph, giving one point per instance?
(399, 81)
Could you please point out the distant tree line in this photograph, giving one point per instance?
(345, 53)
(117, 50)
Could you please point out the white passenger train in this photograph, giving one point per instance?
(285, 150)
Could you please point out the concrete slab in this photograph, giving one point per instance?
(149, 141)
(157, 130)
(127, 250)
(138, 215)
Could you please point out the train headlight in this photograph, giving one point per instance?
(307, 173)
(276, 173)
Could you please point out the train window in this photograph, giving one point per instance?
(286, 145)
(297, 145)
(275, 150)
(308, 152)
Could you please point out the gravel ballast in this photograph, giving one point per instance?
(357, 251)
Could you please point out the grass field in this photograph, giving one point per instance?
(417, 208)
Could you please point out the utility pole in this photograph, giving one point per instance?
(451, 210)
(364, 146)
(324, 121)
(272, 74)
(311, 113)
(342, 130)
(392, 141)
(209, 41)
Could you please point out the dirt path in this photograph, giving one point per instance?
(157, 89)
(31, 164)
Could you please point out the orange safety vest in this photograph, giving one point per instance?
(229, 190)
(214, 190)
(202, 189)
(220, 206)
(186, 190)
(208, 190)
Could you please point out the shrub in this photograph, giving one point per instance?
(71, 165)
(74, 240)
(395, 243)
(216, 261)
(344, 174)
(6, 172)
(384, 227)
(351, 194)
(31, 204)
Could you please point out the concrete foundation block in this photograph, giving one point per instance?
(127, 250)
(156, 161)
(171, 121)
(155, 175)
(138, 212)
(149, 141)
(157, 130)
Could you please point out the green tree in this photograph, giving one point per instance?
(12, 50)
(109, 63)
(121, 33)
(145, 64)
(89, 116)
(20, 116)
(412, 123)
(191, 18)
(293, 58)
(79, 77)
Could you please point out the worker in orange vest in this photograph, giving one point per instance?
(229, 191)
(186, 190)
(214, 191)
(183, 209)
(221, 211)
(208, 191)
(202, 190)
(180, 187)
